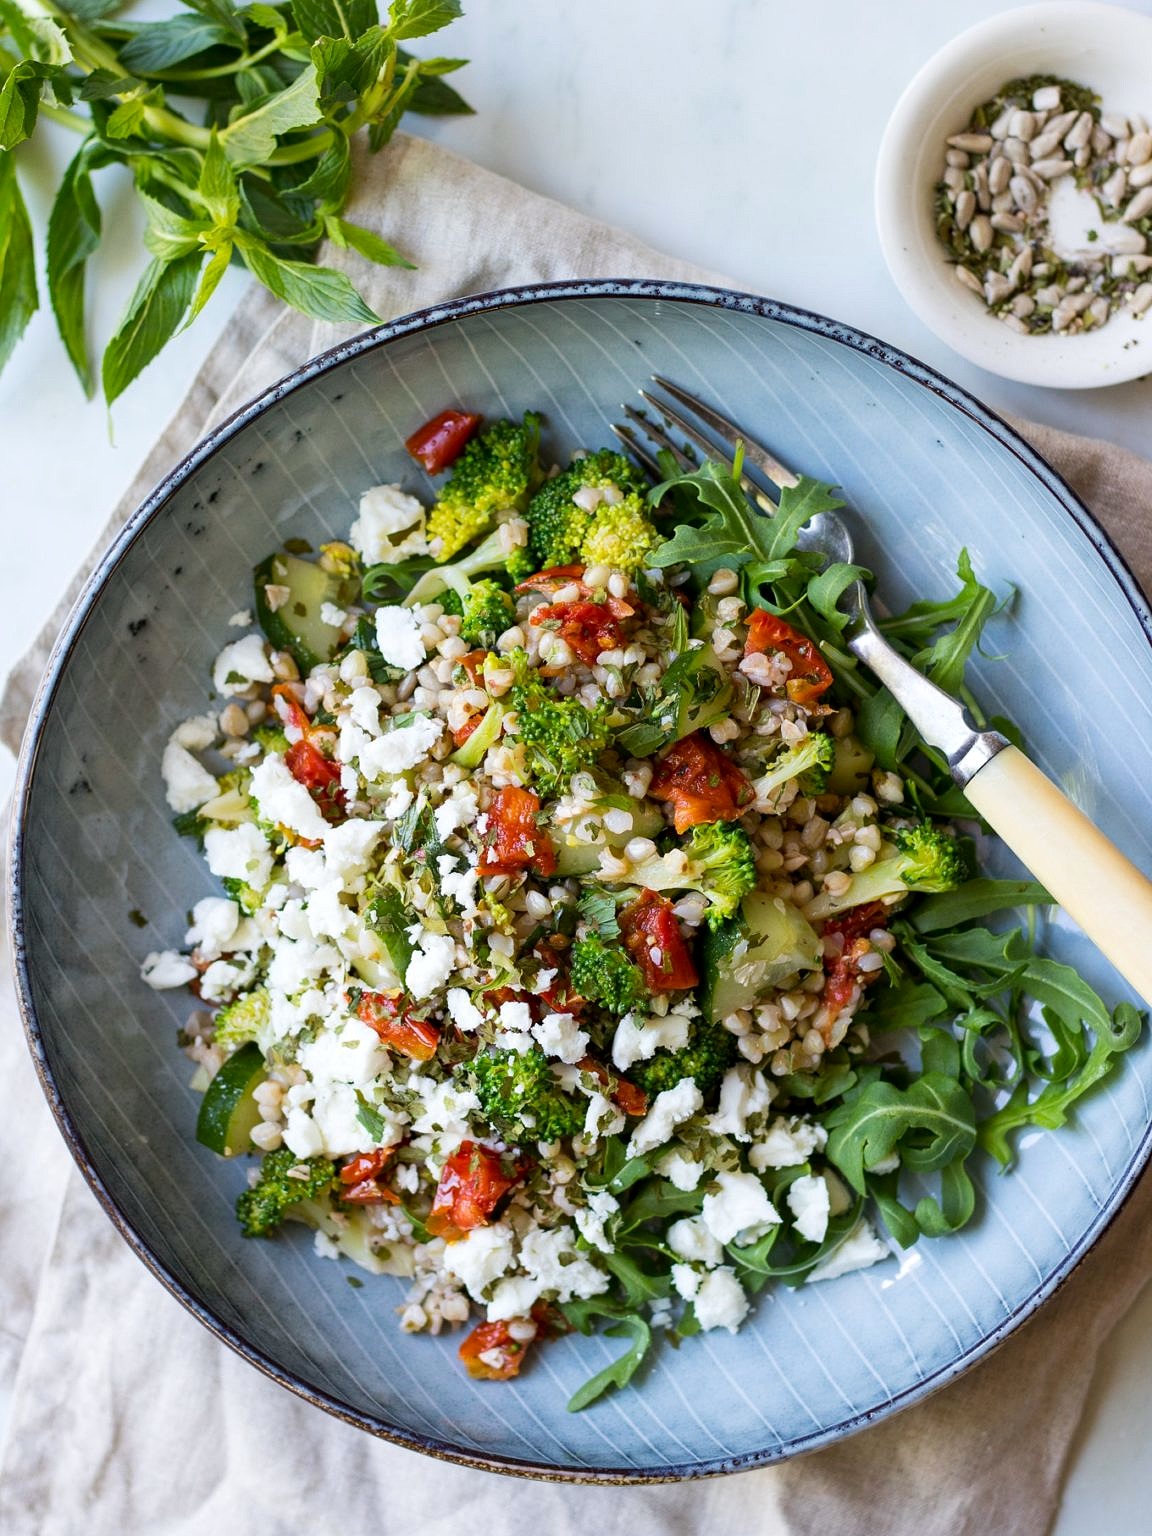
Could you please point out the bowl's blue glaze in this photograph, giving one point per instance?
(928, 469)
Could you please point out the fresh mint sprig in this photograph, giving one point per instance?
(235, 123)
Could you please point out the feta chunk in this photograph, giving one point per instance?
(197, 734)
(740, 1211)
(590, 1219)
(859, 1250)
(557, 1035)
(285, 802)
(670, 1109)
(720, 1302)
(690, 1239)
(348, 848)
(480, 1257)
(398, 750)
(809, 1202)
(431, 965)
(464, 1012)
(680, 1170)
(239, 853)
(187, 783)
(398, 636)
(167, 968)
(241, 664)
(744, 1093)
(390, 526)
(787, 1143)
(214, 921)
(639, 1039)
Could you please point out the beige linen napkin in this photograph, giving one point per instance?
(129, 1418)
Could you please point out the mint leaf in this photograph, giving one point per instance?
(317, 291)
(252, 138)
(159, 44)
(153, 315)
(18, 296)
(417, 18)
(73, 234)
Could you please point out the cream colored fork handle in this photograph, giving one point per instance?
(1089, 876)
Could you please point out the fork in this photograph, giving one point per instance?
(1085, 873)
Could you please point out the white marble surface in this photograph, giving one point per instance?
(741, 135)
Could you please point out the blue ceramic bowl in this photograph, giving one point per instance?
(928, 469)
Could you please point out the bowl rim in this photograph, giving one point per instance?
(328, 362)
(1054, 362)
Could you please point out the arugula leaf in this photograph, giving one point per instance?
(152, 318)
(631, 1326)
(18, 297)
(976, 898)
(931, 1123)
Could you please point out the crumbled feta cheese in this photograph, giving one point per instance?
(345, 1051)
(516, 1018)
(364, 709)
(348, 849)
(740, 1211)
(810, 1205)
(390, 526)
(239, 853)
(686, 1280)
(639, 1039)
(242, 619)
(690, 1239)
(400, 797)
(461, 887)
(590, 1219)
(285, 802)
(514, 1296)
(187, 783)
(859, 1250)
(302, 1136)
(328, 917)
(444, 1112)
(459, 810)
(480, 1257)
(214, 921)
(720, 1302)
(787, 1143)
(670, 1109)
(398, 636)
(397, 751)
(744, 1093)
(305, 867)
(431, 965)
(166, 968)
(241, 664)
(331, 614)
(557, 1035)
(603, 1118)
(682, 1171)
(551, 1256)
(464, 1012)
(197, 734)
(220, 982)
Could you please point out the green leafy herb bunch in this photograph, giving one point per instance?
(235, 121)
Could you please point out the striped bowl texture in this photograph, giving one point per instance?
(926, 469)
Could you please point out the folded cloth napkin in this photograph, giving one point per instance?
(127, 1417)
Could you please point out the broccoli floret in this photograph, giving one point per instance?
(621, 535)
(561, 736)
(558, 526)
(522, 1098)
(451, 584)
(242, 1019)
(270, 737)
(715, 859)
(247, 896)
(709, 1053)
(486, 613)
(497, 472)
(285, 1180)
(808, 761)
(607, 976)
(925, 859)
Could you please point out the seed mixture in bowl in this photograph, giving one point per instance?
(597, 942)
(1040, 140)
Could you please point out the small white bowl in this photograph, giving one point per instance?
(1104, 47)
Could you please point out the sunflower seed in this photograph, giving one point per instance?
(1101, 141)
(1120, 151)
(1046, 99)
(959, 158)
(955, 178)
(1062, 123)
(1023, 305)
(965, 208)
(1017, 151)
(1130, 266)
(1021, 268)
(980, 232)
(1041, 147)
(1114, 124)
(1014, 324)
(1098, 311)
(997, 288)
(1140, 148)
(1141, 300)
(1050, 169)
(974, 143)
(1080, 132)
(1007, 223)
(1115, 188)
(1049, 296)
(999, 129)
(1023, 193)
(1125, 242)
(1001, 203)
(1022, 126)
(1140, 175)
(999, 175)
(1139, 206)
(969, 279)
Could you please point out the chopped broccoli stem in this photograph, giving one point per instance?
(521, 1097)
(925, 859)
(285, 1180)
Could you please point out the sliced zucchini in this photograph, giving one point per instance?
(573, 858)
(851, 767)
(744, 959)
(295, 625)
(229, 1113)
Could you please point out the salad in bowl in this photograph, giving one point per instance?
(597, 944)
